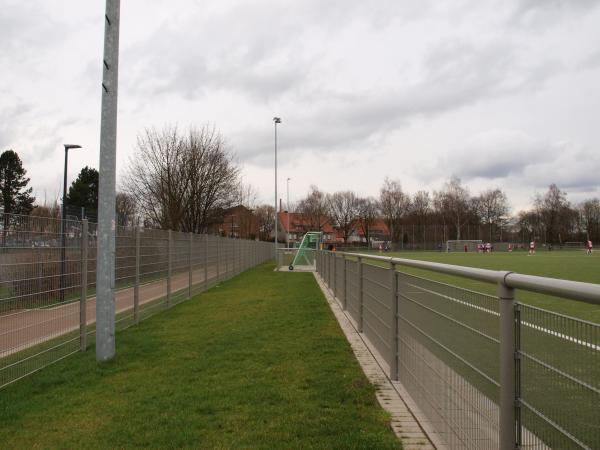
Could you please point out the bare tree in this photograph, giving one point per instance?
(556, 213)
(394, 204)
(245, 194)
(420, 209)
(157, 177)
(125, 209)
(343, 210)
(214, 179)
(265, 215)
(492, 208)
(590, 218)
(314, 208)
(181, 181)
(453, 203)
(368, 211)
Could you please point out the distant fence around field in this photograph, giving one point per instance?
(47, 282)
(487, 371)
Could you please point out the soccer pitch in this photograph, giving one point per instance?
(573, 265)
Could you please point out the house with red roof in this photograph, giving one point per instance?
(294, 226)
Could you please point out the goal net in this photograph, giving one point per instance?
(461, 244)
(573, 245)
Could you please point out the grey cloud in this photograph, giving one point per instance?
(543, 14)
(515, 159)
(10, 116)
(592, 61)
(456, 75)
(495, 154)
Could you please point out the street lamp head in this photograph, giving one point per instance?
(277, 119)
(70, 146)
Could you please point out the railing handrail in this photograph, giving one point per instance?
(573, 290)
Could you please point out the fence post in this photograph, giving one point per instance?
(206, 261)
(334, 275)
(226, 255)
(136, 285)
(508, 404)
(83, 298)
(360, 295)
(218, 257)
(394, 327)
(190, 265)
(169, 251)
(344, 299)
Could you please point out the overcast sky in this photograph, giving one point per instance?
(499, 93)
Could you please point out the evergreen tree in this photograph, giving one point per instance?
(16, 197)
(84, 190)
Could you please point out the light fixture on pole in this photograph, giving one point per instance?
(276, 120)
(287, 235)
(62, 222)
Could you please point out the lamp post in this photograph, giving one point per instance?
(287, 235)
(62, 222)
(276, 120)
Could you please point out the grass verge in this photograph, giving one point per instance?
(256, 362)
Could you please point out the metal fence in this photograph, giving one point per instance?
(487, 371)
(47, 290)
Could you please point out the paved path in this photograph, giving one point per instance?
(25, 328)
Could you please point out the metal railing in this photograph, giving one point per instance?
(487, 371)
(47, 303)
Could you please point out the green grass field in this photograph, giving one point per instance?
(569, 265)
(255, 362)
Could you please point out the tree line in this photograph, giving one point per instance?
(184, 180)
(552, 219)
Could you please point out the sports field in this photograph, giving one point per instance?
(573, 265)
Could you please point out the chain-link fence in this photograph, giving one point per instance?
(48, 282)
(487, 371)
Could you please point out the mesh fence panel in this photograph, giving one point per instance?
(339, 277)
(449, 359)
(41, 280)
(352, 289)
(560, 380)
(376, 308)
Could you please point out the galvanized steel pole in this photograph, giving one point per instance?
(360, 295)
(84, 280)
(190, 265)
(345, 298)
(394, 327)
(136, 286)
(206, 261)
(276, 120)
(105, 266)
(169, 265)
(506, 297)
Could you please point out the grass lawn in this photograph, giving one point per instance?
(569, 265)
(256, 362)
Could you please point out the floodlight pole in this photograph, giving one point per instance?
(105, 265)
(276, 120)
(63, 228)
(287, 234)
